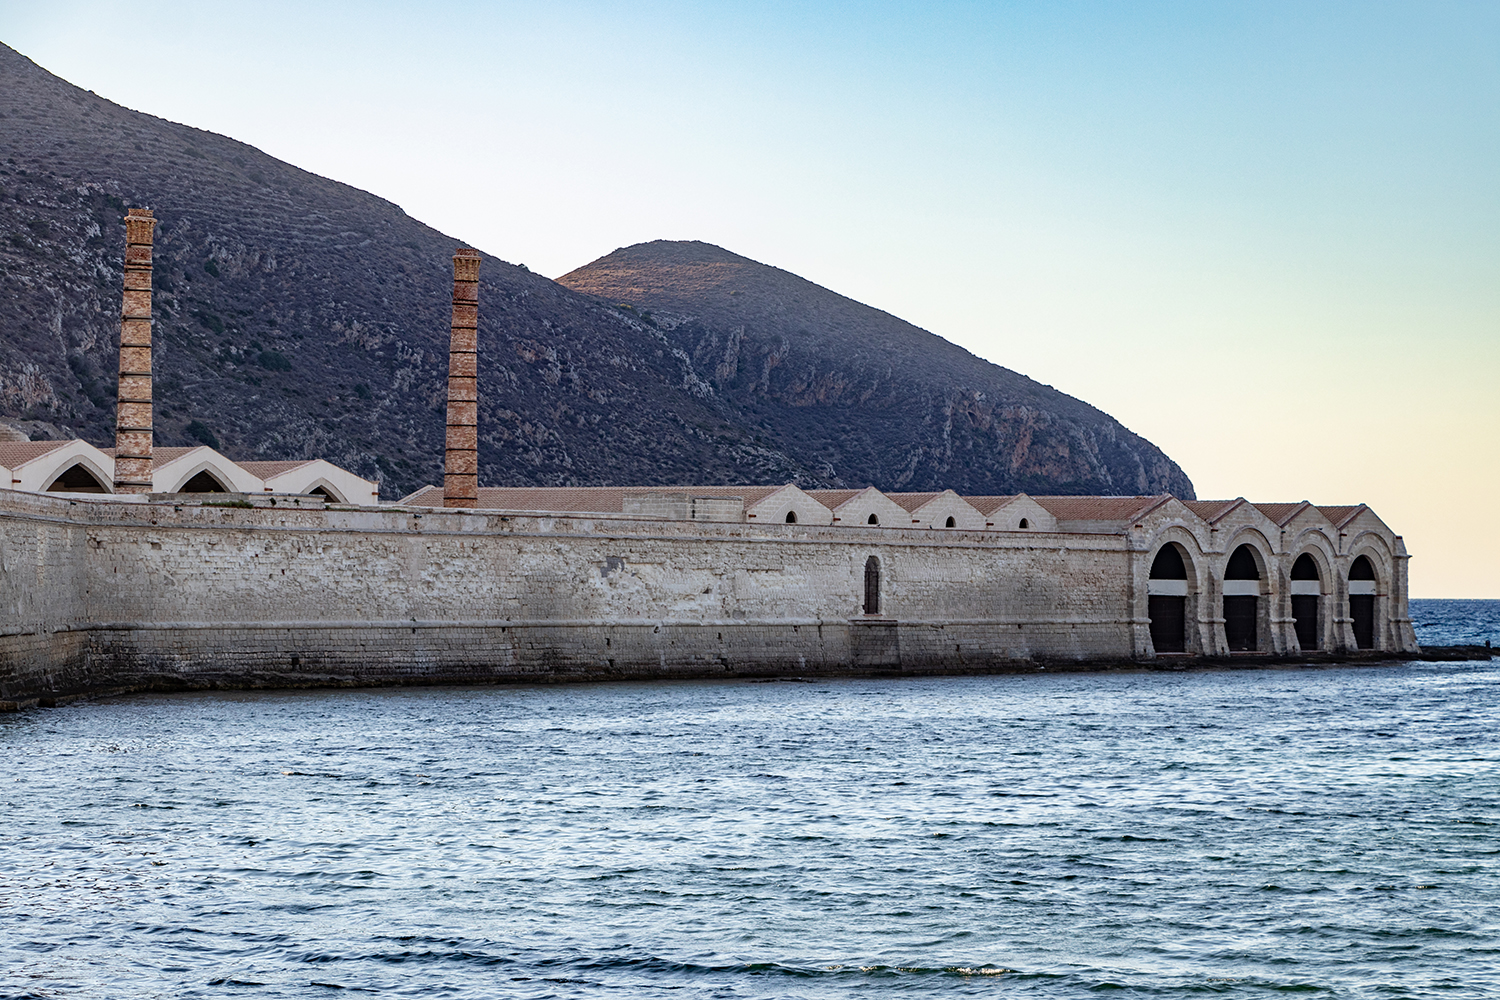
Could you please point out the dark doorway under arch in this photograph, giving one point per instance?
(1362, 602)
(203, 482)
(791, 517)
(1166, 601)
(873, 519)
(1241, 609)
(872, 586)
(1306, 599)
(77, 479)
(951, 523)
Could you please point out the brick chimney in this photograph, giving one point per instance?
(461, 459)
(133, 405)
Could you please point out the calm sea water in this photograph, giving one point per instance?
(1456, 623)
(1333, 832)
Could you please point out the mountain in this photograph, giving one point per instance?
(300, 317)
(866, 396)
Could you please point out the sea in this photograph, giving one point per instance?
(1303, 830)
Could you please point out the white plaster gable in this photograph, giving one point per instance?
(936, 512)
(344, 485)
(171, 475)
(857, 510)
(1008, 517)
(789, 500)
(37, 474)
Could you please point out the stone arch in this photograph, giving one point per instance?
(1246, 581)
(1368, 586)
(1167, 598)
(791, 517)
(1189, 591)
(1025, 523)
(951, 522)
(873, 519)
(1310, 580)
(79, 478)
(872, 585)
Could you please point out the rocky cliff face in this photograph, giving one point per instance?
(862, 395)
(299, 317)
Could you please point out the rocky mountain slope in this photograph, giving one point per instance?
(300, 317)
(864, 395)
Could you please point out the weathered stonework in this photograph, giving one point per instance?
(461, 456)
(105, 595)
(133, 408)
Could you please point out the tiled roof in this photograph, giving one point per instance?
(266, 470)
(1212, 510)
(1341, 515)
(582, 499)
(14, 453)
(912, 502)
(1281, 513)
(833, 499)
(989, 504)
(1097, 508)
(161, 456)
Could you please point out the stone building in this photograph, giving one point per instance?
(120, 571)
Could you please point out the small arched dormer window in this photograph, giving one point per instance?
(791, 517)
(950, 523)
(872, 585)
(873, 519)
(1025, 523)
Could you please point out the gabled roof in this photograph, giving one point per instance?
(16, 453)
(987, 505)
(1100, 508)
(1282, 513)
(833, 499)
(161, 456)
(265, 470)
(913, 502)
(581, 499)
(1213, 510)
(1341, 516)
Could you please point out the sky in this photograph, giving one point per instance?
(1266, 236)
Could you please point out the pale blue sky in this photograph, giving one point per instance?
(1235, 226)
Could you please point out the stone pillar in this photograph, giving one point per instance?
(133, 404)
(461, 459)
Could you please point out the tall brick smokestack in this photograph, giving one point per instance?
(133, 405)
(461, 459)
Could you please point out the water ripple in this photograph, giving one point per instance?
(1237, 833)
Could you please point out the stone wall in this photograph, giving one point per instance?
(109, 596)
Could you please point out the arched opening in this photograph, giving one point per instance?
(77, 479)
(1362, 602)
(950, 523)
(791, 517)
(1307, 594)
(872, 585)
(1166, 601)
(203, 482)
(1242, 601)
(873, 520)
(323, 491)
(1025, 523)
